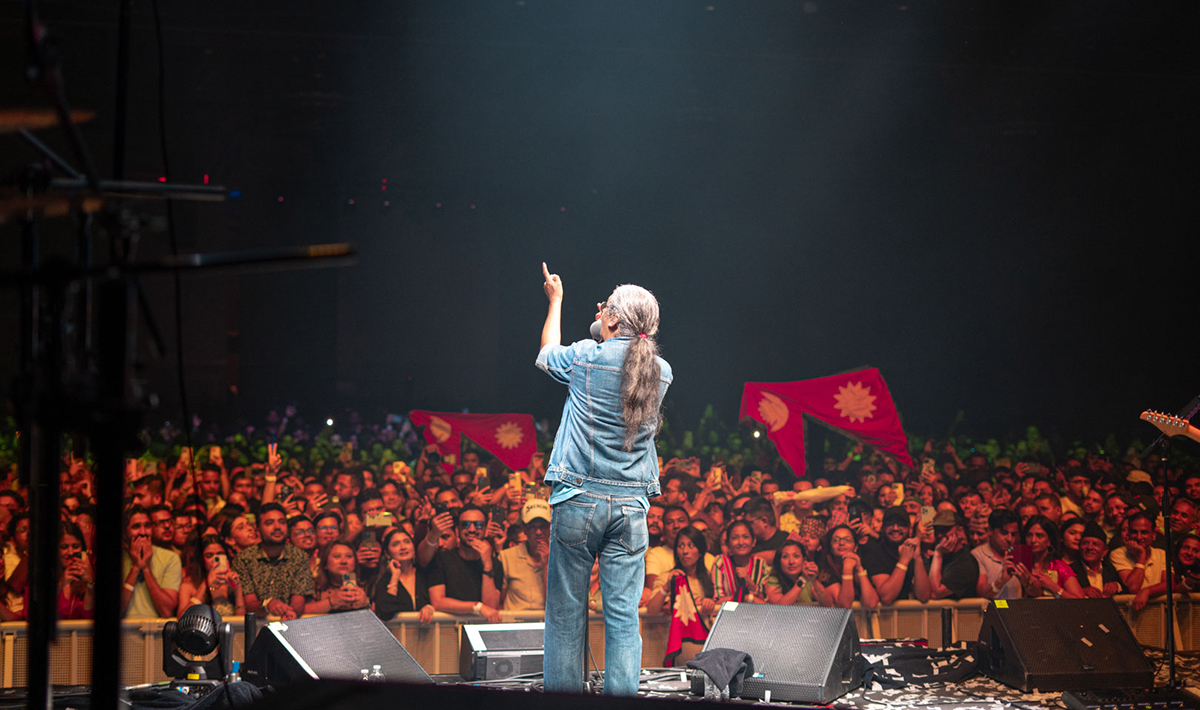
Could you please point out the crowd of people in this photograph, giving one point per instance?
(467, 536)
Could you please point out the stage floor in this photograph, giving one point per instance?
(977, 692)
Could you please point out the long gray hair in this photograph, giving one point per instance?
(640, 374)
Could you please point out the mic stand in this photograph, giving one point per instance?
(1163, 444)
(1164, 449)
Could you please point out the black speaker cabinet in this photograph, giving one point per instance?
(329, 647)
(1061, 644)
(493, 651)
(801, 654)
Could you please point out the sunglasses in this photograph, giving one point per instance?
(478, 524)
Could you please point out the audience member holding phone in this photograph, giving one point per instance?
(1039, 566)
(209, 579)
(337, 584)
(76, 597)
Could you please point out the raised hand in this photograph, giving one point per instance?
(553, 285)
(274, 460)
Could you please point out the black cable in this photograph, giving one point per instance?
(174, 241)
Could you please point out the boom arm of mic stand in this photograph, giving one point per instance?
(168, 190)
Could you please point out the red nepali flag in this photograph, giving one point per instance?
(508, 437)
(687, 623)
(855, 403)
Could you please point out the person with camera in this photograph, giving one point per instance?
(77, 579)
(275, 574)
(466, 580)
(208, 578)
(338, 586)
(603, 469)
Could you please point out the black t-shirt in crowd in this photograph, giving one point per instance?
(880, 557)
(772, 543)
(960, 574)
(463, 578)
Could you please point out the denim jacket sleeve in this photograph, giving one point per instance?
(557, 361)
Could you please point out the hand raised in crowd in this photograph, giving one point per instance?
(809, 569)
(495, 533)
(274, 460)
(79, 569)
(1137, 553)
(908, 549)
(423, 513)
(214, 456)
(349, 596)
(316, 502)
(291, 506)
(484, 548)
(952, 542)
(368, 555)
(541, 551)
(553, 285)
(140, 551)
(441, 524)
(537, 464)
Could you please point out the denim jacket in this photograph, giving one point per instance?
(589, 448)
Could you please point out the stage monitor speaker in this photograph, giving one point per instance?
(493, 651)
(801, 654)
(329, 647)
(1061, 644)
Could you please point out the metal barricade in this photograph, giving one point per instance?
(435, 645)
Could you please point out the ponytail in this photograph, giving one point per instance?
(640, 373)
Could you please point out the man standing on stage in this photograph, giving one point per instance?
(603, 469)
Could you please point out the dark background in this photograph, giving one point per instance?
(994, 203)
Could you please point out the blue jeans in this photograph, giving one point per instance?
(583, 528)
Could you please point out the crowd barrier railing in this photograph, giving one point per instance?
(435, 645)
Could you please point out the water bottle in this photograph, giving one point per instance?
(377, 674)
(366, 675)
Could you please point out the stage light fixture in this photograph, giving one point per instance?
(198, 647)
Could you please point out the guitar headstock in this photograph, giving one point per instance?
(1168, 424)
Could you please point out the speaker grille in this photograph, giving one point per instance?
(340, 645)
(801, 653)
(512, 640)
(1061, 645)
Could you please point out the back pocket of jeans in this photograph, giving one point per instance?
(635, 537)
(570, 522)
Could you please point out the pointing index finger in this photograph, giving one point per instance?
(545, 271)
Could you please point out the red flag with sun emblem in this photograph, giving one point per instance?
(508, 437)
(856, 403)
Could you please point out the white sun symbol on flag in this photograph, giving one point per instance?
(773, 411)
(685, 608)
(509, 435)
(441, 429)
(855, 401)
